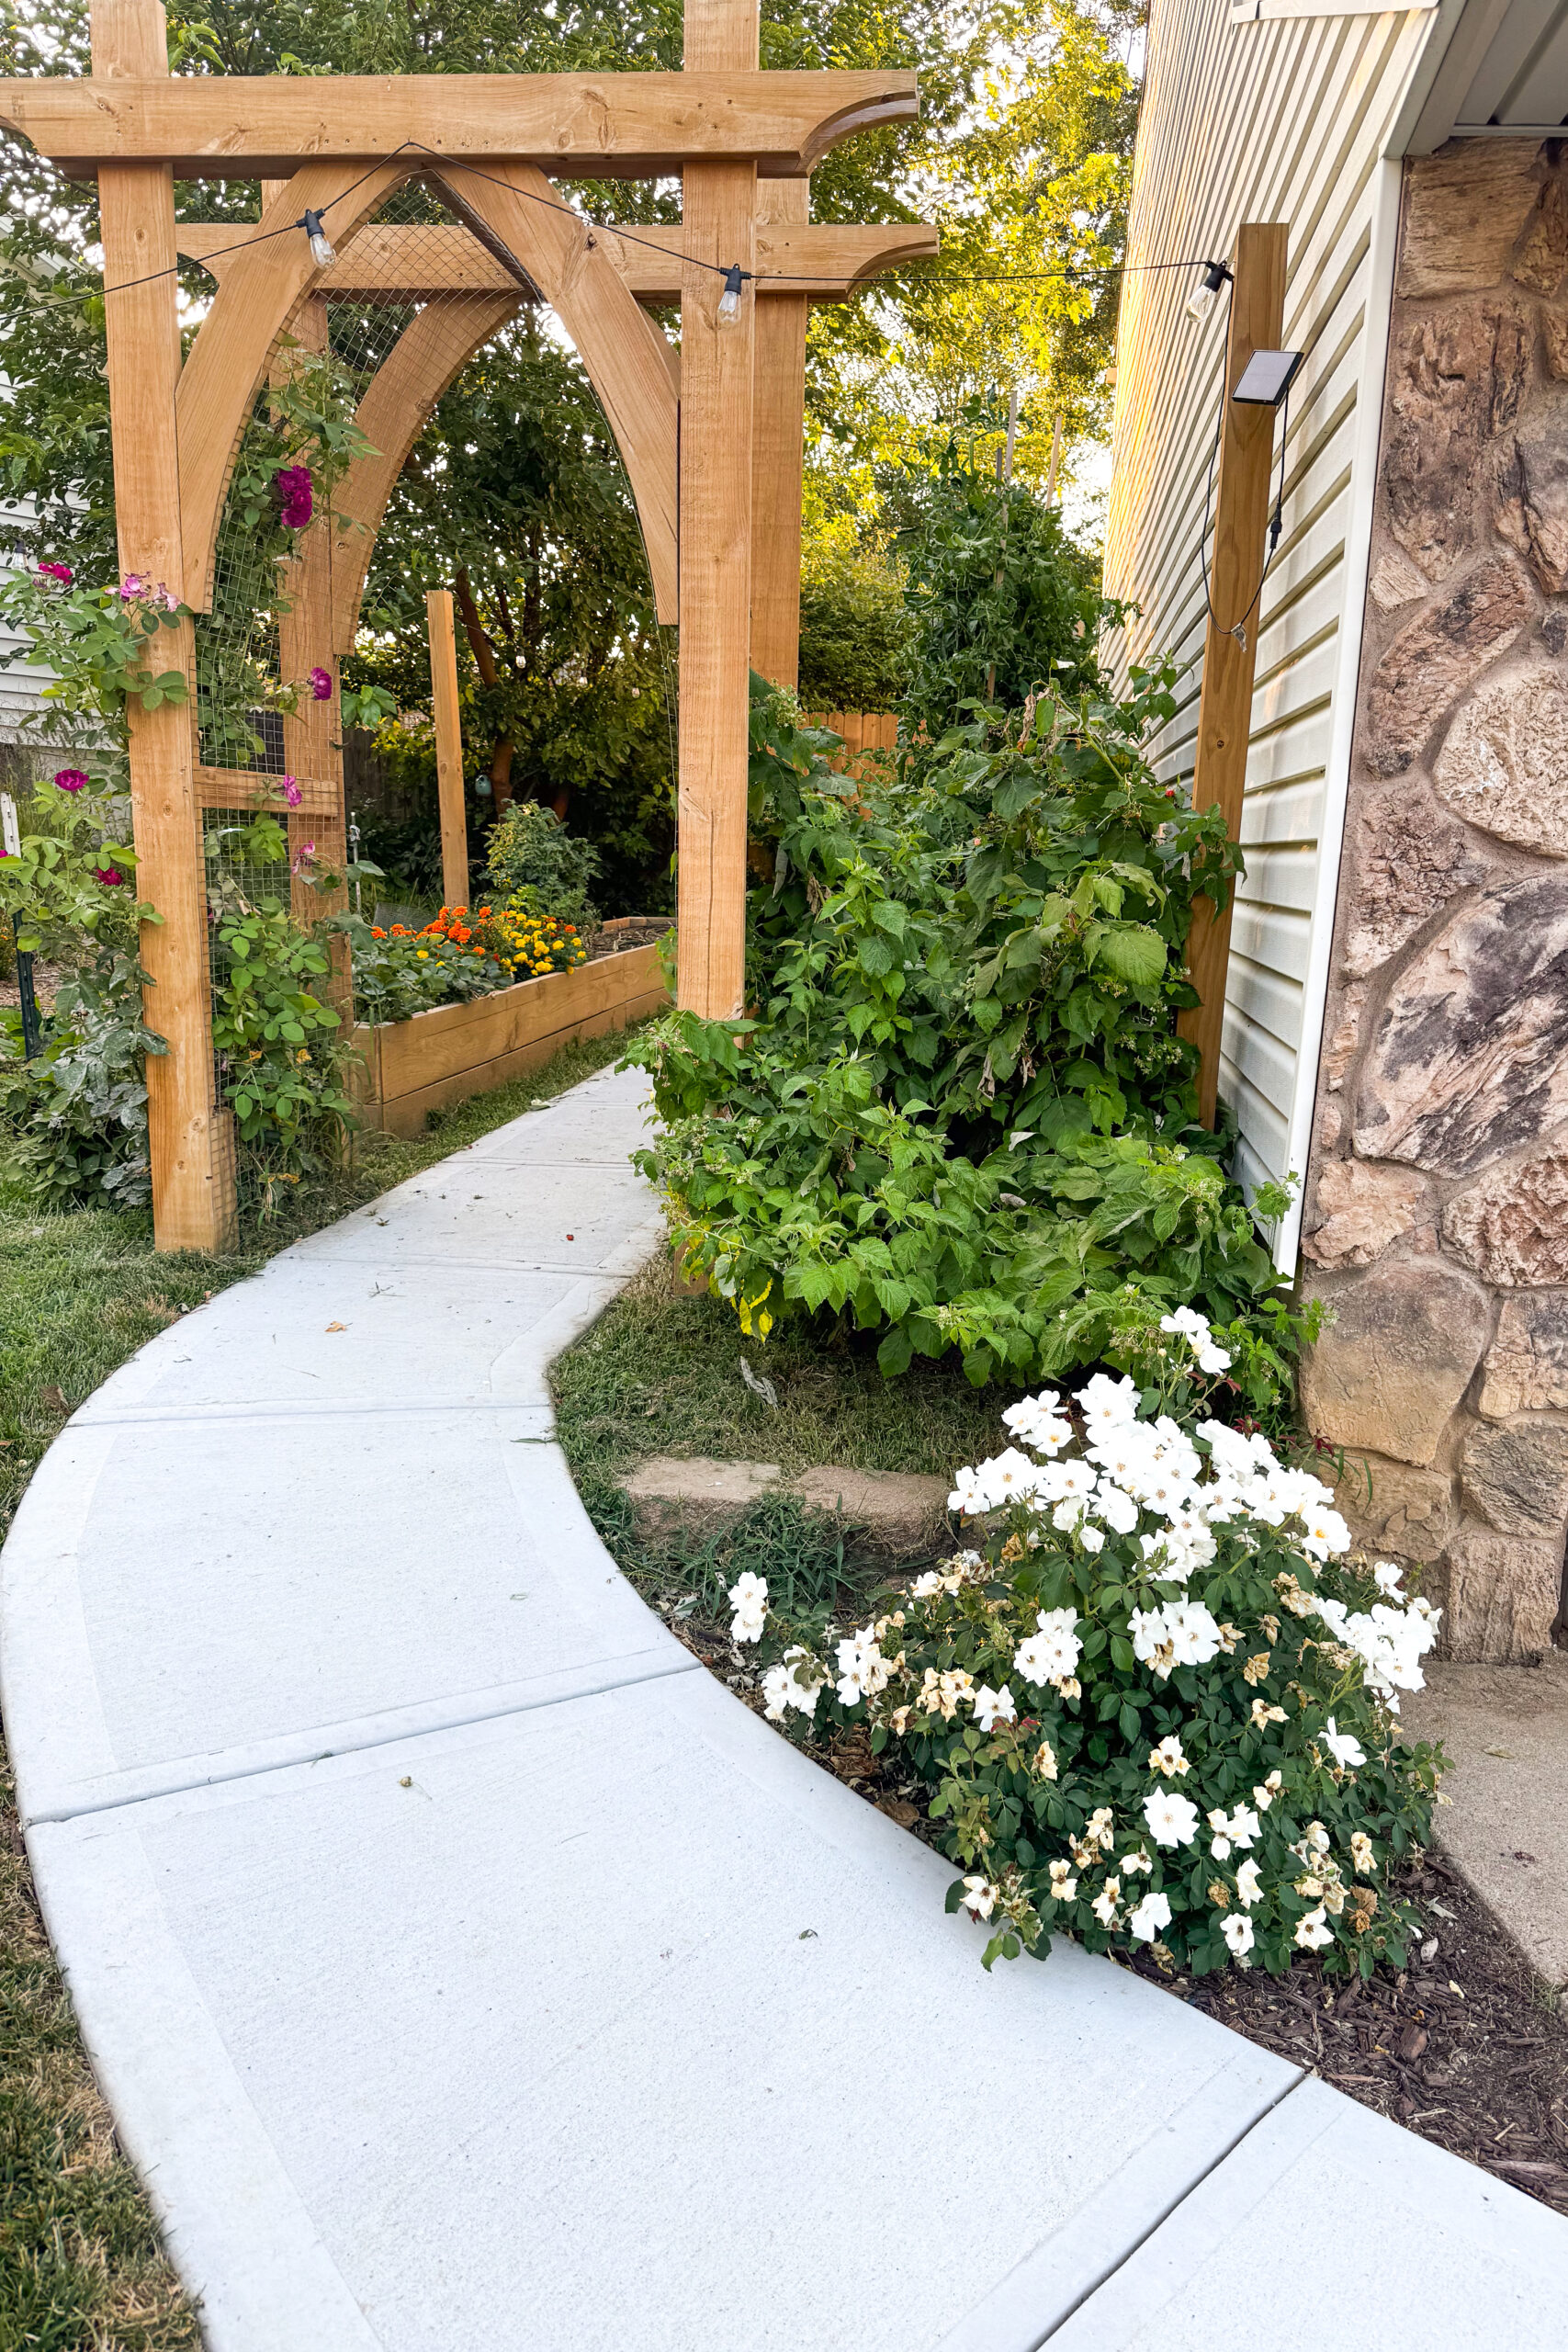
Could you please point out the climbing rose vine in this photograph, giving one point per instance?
(1155, 1705)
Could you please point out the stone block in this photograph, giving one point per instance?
(1438, 655)
(1394, 581)
(899, 1512)
(1503, 1597)
(1409, 861)
(1342, 1036)
(1503, 764)
(1516, 1477)
(1513, 1225)
(1532, 500)
(1361, 1210)
(1527, 1366)
(1471, 1056)
(904, 1511)
(1540, 255)
(674, 1491)
(1393, 1507)
(1456, 380)
(1389, 1369)
(1464, 213)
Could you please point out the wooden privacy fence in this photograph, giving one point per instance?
(863, 730)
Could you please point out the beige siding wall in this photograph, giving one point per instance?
(1285, 121)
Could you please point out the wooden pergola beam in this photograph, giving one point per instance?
(824, 261)
(584, 125)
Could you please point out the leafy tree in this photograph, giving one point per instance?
(855, 631)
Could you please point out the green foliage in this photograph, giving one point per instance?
(101, 645)
(77, 1114)
(531, 853)
(854, 632)
(1005, 605)
(961, 1118)
(276, 1043)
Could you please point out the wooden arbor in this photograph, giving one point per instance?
(711, 439)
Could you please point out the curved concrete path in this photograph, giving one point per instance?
(469, 1972)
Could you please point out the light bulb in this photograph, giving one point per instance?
(1201, 302)
(729, 300)
(322, 251)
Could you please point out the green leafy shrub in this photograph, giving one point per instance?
(77, 1114)
(279, 1057)
(855, 632)
(960, 1115)
(541, 867)
(1156, 1705)
(1003, 603)
(399, 972)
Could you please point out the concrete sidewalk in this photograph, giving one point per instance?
(469, 1972)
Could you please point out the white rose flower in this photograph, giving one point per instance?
(1168, 1757)
(979, 1898)
(1390, 1578)
(1248, 1885)
(1092, 1538)
(1345, 1749)
(1172, 1819)
(1313, 1931)
(1107, 1404)
(967, 1495)
(1115, 1506)
(1035, 1420)
(1244, 1828)
(749, 1598)
(1152, 1915)
(1051, 1653)
(1237, 1932)
(994, 1706)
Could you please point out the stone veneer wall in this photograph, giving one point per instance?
(1437, 1207)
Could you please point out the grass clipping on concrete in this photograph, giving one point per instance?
(81, 2268)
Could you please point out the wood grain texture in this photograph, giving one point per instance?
(193, 1197)
(778, 456)
(603, 126)
(629, 361)
(718, 376)
(825, 260)
(244, 788)
(448, 746)
(1230, 645)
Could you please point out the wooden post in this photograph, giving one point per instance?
(448, 746)
(718, 207)
(778, 456)
(192, 1160)
(1230, 648)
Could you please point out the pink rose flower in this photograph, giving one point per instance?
(70, 779)
(61, 572)
(291, 792)
(305, 859)
(131, 586)
(296, 503)
(322, 685)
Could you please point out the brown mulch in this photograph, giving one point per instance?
(1466, 2047)
(47, 978)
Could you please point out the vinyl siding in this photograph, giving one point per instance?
(1284, 120)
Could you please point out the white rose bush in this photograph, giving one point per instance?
(1155, 1705)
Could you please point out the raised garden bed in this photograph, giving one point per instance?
(454, 1050)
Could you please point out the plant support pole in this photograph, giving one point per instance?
(1230, 647)
(448, 746)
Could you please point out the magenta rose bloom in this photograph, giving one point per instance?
(109, 875)
(296, 505)
(131, 586)
(322, 685)
(71, 779)
(61, 572)
(291, 792)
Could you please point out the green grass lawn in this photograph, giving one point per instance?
(80, 2265)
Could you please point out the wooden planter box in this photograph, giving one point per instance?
(456, 1050)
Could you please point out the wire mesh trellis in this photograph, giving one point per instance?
(414, 298)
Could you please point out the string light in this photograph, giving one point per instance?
(1201, 302)
(729, 300)
(321, 250)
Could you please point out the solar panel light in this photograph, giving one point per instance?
(1267, 377)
